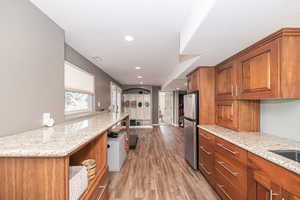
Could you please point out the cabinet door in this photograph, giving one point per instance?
(227, 113)
(192, 82)
(195, 81)
(189, 83)
(265, 189)
(226, 87)
(258, 72)
(289, 196)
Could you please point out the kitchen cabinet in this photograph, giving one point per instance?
(206, 88)
(267, 69)
(230, 170)
(289, 196)
(206, 155)
(258, 72)
(238, 115)
(226, 81)
(267, 181)
(223, 165)
(236, 174)
(192, 81)
(202, 80)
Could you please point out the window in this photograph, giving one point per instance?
(79, 90)
(115, 98)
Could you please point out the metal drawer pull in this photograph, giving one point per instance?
(222, 189)
(206, 171)
(232, 92)
(225, 148)
(102, 187)
(205, 151)
(231, 172)
(273, 194)
(204, 136)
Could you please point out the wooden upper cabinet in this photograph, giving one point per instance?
(258, 72)
(226, 84)
(267, 69)
(238, 115)
(227, 113)
(192, 81)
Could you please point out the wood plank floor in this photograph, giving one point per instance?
(156, 170)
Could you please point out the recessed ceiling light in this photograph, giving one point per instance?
(141, 83)
(139, 77)
(138, 68)
(129, 38)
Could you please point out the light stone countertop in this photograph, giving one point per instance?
(59, 140)
(259, 144)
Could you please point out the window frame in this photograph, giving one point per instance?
(91, 96)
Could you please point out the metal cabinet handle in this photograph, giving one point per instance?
(231, 172)
(205, 151)
(225, 148)
(273, 194)
(222, 189)
(236, 90)
(206, 171)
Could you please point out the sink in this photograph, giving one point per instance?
(290, 154)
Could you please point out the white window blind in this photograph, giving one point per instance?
(77, 80)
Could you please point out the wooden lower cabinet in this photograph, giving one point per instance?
(289, 196)
(267, 181)
(206, 155)
(47, 178)
(225, 189)
(236, 174)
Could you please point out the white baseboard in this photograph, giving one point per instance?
(148, 126)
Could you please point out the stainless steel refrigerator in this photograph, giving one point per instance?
(190, 129)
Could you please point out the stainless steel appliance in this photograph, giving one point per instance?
(190, 129)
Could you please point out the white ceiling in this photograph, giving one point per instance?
(210, 31)
(97, 28)
(232, 25)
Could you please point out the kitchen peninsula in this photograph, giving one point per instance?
(35, 164)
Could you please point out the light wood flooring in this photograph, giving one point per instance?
(157, 170)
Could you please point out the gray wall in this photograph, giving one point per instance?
(31, 72)
(32, 53)
(102, 79)
(281, 118)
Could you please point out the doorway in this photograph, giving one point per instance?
(165, 108)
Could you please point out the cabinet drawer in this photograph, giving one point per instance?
(206, 165)
(207, 137)
(230, 151)
(206, 142)
(234, 171)
(225, 189)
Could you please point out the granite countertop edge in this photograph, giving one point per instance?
(261, 146)
(32, 144)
